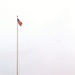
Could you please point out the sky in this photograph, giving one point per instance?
(46, 38)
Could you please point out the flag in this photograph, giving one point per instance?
(19, 22)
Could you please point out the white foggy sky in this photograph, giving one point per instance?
(46, 39)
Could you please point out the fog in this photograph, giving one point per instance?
(46, 38)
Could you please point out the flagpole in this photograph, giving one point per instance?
(20, 23)
(17, 49)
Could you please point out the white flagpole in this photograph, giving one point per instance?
(17, 49)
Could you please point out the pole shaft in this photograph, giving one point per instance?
(17, 49)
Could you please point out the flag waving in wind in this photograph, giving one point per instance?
(19, 22)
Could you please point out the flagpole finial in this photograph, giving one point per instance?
(17, 16)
